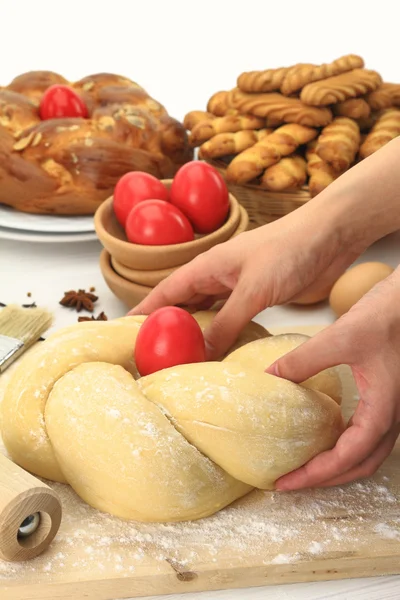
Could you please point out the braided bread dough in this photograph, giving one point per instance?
(179, 444)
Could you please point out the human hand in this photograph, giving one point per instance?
(264, 267)
(367, 338)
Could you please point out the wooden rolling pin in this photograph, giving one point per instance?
(30, 513)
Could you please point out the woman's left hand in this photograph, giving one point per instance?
(367, 339)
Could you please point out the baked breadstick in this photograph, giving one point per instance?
(262, 81)
(207, 129)
(393, 89)
(379, 99)
(225, 144)
(320, 173)
(278, 109)
(219, 106)
(366, 125)
(300, 75)
(354, 108)
(339, 143)
(196, 116)
(386, 128)
(341, 87)
(289, 173)
(283, 141)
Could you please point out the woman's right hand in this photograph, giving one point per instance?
(304, 251)
(261, 268)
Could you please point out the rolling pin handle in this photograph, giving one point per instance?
(30, 513)
(29, 526)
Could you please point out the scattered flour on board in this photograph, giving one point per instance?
(265, 528)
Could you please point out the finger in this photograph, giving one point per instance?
(326, 349)
(354, 446)
(237, 312)
(369, 466)
(203, 302)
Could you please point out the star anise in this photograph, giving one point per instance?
(100, 317)
(79, 300)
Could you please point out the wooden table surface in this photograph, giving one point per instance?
(47, 270)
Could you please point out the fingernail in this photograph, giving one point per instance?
(273, 370)
(281, 487)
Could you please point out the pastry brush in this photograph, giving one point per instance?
(19, 329)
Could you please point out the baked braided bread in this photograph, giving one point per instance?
(71, 165)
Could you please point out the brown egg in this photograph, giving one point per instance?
(355, 283)
(313, 296)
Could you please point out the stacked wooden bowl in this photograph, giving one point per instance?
(131, 271)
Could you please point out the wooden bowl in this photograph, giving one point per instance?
(128, 292)
(152, 278)
(243, 223)
(149, 278)
(146, 258)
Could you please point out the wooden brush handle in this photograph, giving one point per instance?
(22, 496)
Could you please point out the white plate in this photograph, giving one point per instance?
(54, 238)
(14, 219)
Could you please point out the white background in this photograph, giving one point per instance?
(182, 52)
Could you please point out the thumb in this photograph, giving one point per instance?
(324, 350)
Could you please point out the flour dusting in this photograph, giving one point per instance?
(266, 528)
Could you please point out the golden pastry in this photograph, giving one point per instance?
(225, 144)
(300, 75)
(379, 99)
(393, 89)
(196, 116)
(262, 81)
(205, 130)
(339, 143)
(283, 141)
(341, 87)
(278, 109)
(289, 173)
(321, 174)
(354, 108)
(219, 106)
(386, 128)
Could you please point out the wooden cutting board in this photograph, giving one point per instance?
(263, 539)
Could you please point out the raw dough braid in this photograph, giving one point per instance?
(341, 87)
(278, 109)
(229, 124)
(196, 116)
(219, 105)
(262, 81)
(354, 108)
(300, 75)
(224, 144)
(386, 128)
(179, 444)
(321, 174)
(289, 173)
(338, 143)
(283, 141)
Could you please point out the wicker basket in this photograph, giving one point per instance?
(261, 205)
